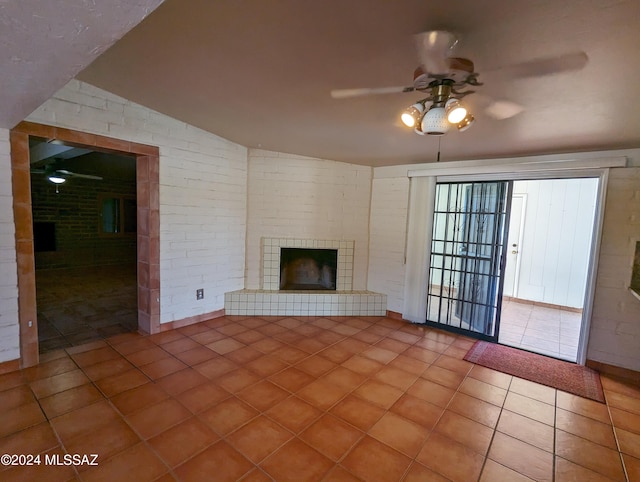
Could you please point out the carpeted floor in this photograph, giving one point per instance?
(569, 377)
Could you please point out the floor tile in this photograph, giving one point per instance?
(344, 378)
(598, 432)
(533, 390)
(431, 392)
(294, 413)
(296, 461)
(68, 400)
(263, 395)
(180, 381)
(567, 471)
(202, 396)
(331, 436)
(292, 378)
(483, 391)
(531, 408)
(475, 409)
(443, 377)
(423, 413)
(625, 420)
(266, 365)
(465, 431)
(84, 420)
(494, 472)
(182, 441)
(115, 384)
(379, 393)
(419, 473)
(589, 454)
(228, 415)
(629, 442)
(259, 438)
(364, 461)
(157, 418)
(220, 459)
(358, 412)
(399, 433)
(46, 387)
(162, 368)
(321, 394)
(443, 456)
(105, 440)
(525, 459)
(583, 406)
(526, 430)
(396, 377)
(139, 398)
(32, 440)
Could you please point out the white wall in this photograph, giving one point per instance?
(615, 322)
(556, 241)
(9, 327)
(202, 193)
(298, 197)
(389, 201)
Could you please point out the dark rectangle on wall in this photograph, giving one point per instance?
(44, 237)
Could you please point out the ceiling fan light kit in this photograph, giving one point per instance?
(56, 179)
(446, 80)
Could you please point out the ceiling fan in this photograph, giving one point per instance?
(447, 79)
(56, 174)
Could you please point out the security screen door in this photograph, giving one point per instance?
(467, 257)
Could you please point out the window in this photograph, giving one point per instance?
(117, 215)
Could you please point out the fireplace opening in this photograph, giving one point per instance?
(308, 269)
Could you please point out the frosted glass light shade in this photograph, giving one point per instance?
(435, 122)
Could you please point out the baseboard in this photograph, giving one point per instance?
(191, 320)
(394, 315)
(614, 371)
(9, 366)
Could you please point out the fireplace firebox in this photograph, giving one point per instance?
(308, 269)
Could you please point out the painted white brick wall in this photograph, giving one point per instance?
(387, 239)
(9, 327)
(203, 185)
(299, 197)
(615, 323)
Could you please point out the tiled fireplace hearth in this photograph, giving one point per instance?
(270, 300)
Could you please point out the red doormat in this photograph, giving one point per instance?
(565, 376)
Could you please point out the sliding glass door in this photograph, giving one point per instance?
(467, 257)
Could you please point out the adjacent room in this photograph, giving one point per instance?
(344, 240)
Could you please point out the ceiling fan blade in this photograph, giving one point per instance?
(38, 171)
(547, 66)
(74, 174)
(503, 109)
(434, 49)
(347, 93)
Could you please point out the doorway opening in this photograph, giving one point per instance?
(147, 228)
(84, 243)
(547, 258)
(509, 261)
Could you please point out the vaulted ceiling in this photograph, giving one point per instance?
(260, 72)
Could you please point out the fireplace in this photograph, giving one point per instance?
(308, 268)
(271, 267)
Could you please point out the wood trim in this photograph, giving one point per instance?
(148, 212)
(9, 366)
(615, 371)
(394, 315)
(191, 320)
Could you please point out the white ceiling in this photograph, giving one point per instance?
(259, 72)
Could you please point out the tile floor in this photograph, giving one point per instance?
(545, 330)
(78, 305)
(303, 399)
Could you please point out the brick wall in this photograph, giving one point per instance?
(615, 322)
(75, 211)
(387, 239)
(9, 329)
(298, 197)
(203, 182)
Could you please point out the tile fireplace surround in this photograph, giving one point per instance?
(269, 300)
